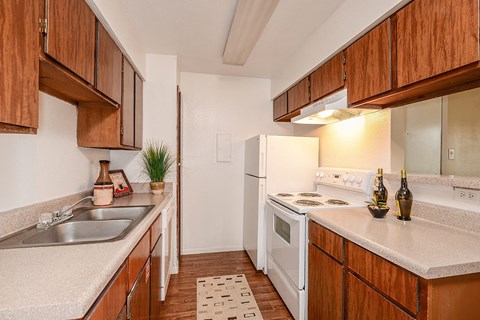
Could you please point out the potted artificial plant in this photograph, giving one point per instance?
(156, 162)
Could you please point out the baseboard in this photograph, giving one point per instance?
(211, 250)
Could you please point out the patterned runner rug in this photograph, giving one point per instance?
(226, 298)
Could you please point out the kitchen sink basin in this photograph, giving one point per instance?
(88, 225)
(80, 231)
(112, 213)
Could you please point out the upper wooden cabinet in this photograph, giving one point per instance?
(369, 64)
(327, 78)
(19, 66)
(70, 36)
(299, 95)
(109, 65)
(128, 105)
(138, 112)
(280, 106)
(436, 36)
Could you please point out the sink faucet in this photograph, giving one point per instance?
(50, 219)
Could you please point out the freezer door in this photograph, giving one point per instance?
(253, 220)
(255, 156)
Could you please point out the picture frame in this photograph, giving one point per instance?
(121, 185)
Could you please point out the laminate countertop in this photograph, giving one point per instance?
(63, 282)
(428, 249)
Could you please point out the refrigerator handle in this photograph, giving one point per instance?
(262, 164)
(262, 192)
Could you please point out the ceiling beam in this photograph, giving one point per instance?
(249, 21)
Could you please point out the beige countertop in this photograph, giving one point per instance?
(63, 282)
(428, 249)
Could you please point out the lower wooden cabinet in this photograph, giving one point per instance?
(364, 303)
(326, 294)
(138, 300)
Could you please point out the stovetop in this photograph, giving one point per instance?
(336, 188)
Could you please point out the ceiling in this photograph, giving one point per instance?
(196, 32)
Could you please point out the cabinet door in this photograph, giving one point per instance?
(327, 78)
(138, 111)
(369, 66)
(299, 95)
(325, 286)
(71, 36)
(435, 36)
(364, 303)
(138, 300)
(128, 105)
(280, 106)
(109, 65)
(19, 65)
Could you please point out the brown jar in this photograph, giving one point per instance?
(103, 187)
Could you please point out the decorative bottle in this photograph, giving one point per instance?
(404, 199)
(103, 187)
(380, 193)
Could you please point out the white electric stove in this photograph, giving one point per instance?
(286, 227)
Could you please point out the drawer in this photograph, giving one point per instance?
(155, 231)
(112, 299)
(365, 303)
(137, 258)
(391, 280)
(326, 240)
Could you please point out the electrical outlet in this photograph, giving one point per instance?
(468, 195)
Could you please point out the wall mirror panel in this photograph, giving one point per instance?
(441, 135)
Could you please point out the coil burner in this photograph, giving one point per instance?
(308, 203)
(337, 202)
(284, 195)
(310, 194)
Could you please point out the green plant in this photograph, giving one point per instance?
(156, 160)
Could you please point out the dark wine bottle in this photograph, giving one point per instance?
(404, 199)
(380, 194)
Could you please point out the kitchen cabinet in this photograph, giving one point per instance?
(111, 303)
(328, 78)
(138, 300)
(109, 61)
(435, 36)
(19, 66)
(114, 128)
(369, 64)
(299, 95)
(375, 288)
(280, 109)
(70, 36)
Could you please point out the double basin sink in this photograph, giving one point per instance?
(88, 225)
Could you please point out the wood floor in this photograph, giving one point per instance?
(181, 300)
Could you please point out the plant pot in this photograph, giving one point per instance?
(157, 187)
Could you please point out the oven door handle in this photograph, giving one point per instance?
(286, 213)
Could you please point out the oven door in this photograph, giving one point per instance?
(286, 241)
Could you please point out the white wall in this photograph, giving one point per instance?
(35, 168)
(159, 114)
(345, 24)
(360, 143)
(212, 207)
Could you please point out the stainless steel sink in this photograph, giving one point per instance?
(80, 231)
(88, 225)
(112, 213)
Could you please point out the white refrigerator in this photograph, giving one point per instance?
(273, 164)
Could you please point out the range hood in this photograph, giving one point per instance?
(329, 109)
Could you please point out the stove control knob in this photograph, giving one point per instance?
(317, 174)
(345, 178)
(351, 178)
(321, 175)
(359, 179)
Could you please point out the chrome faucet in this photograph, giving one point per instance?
(50, 219)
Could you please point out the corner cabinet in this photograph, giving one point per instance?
(111, 128)
(369, 64)
(436, 36)
(280, 107)
(346, 281)
(19, 66)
